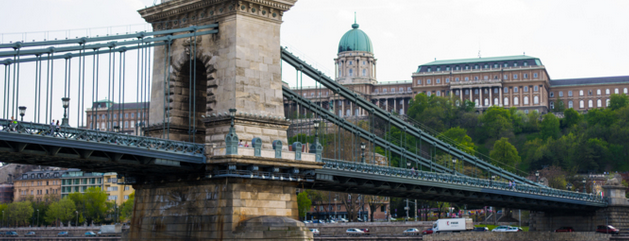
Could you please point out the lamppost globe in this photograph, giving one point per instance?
(584, 181)
(22, 112)
(536, 176)
(65, 101)
(362, 146)
(315, 123)
(453, 165)
(362, 155)
(232, 113)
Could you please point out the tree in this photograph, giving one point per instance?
(126, 209)
(497, 123)
(550, 127)
(92, 204)
(303, 204)
(374, 202)
(20, 212)
(352, 203)
(60, 211)
(570, 118)
(559, 105)
(460, 137)
(505, 153)
(618, 101)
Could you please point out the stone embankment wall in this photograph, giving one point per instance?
(581, 222)
(519, 236)
(53, 231)
(375, 228)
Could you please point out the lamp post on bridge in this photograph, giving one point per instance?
(65, 101)
(316, 124)
(569, 186)
(362, 155)
(537, 176)
(584, 181)
(22, 112)
(453, 166)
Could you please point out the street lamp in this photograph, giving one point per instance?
(22, 112)
(37, 217)
(569, 186)
(116, 128)
(362, 155)
(454, 166)
(232, 113)
(584, 181)
(536, 176)
(65, 101)
(77, 218)
(408, 165)
(316, 123)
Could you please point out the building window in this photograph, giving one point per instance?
(364, 72)
(126, 124)
(486, 102)
(438, 93)
(456, 79)
(476, 102)
(495, 65)
(607, 91)
(401, 89)
(505, 77)
(570, 104)
(392, 90)
(475, 91)
(590, 103)
(598, 92)
(495, 101)
(408, 89)
(580, 92)
(599, 103)
(429, 70)
(419, 82)
(350, 63)
(516, 101)
(496, 90)
(505, 65)
(486, 66)
(428, 81)
(526, 76)
(438, 81)
(475, 77)
(526, 89)
(467, 92)
(535, 100)
(536, 88)
(467, 78)
(526, 100)
(506, 101)
(570, 93)
(515, 76)
(448, 68)
(429, 93)
(535, 75)
(467, 67)
(607, 103)
(456, 92)
(526, 112)
(581, 104)
(515, 64)
(486, 77)
(515, 89)
(525, 64)
(552, 105)
(506, 89)
(457, 68)
(351, 72)
(447, 80)
(115, 116)
(384, 90)
(552, 94)
(589, 92)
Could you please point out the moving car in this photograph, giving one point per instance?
(354, 232)
(315, 231)
(607, 229)
(504, 229)
(428, 231)
(453, 225)
(365, 231)
(62, 234)
(480, 229)
(30, 234)
(90, 234)
(564, 229)
(411, 231)
(11, 234)
(342, 220)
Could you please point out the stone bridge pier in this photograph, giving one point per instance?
(615, 214)
(240, 193)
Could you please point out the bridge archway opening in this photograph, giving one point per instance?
(192, 79)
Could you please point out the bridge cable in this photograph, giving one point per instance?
(139, 74)
(169, 92)
(37, 89)
(5, 97)
(194, 91)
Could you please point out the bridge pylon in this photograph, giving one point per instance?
(238, 68)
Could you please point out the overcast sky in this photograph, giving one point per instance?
(572, 38)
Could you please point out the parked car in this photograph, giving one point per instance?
(503, 229)
(30, 234)
(365, 231)
(315, 231)
(359, 220)
(90, 234)
(480, 229)
(411, 231)
(342, 220)
(607, 229)
(62, 234)
(428, 231)
(331, 221)
(11, 234)
(307, 221)
(564, 229)
(354, 232)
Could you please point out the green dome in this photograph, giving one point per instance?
(355, 40)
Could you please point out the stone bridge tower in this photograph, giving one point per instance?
(237, 68)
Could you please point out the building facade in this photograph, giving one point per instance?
(508, 81)
(118, 192)
(6, 192)
(77, 181)
(40, 185)
(128, 118)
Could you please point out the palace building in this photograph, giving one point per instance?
(509, 81)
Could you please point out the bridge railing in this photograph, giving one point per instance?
(115, 138)
(457, 179)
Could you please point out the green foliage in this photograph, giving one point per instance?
(505, 154)
(570, 118)
(559, 105)
(20, 213)
(459, 136)
(62, 210)
(92, 204)
(497, 123)
(126, 209)
(550, 127)
(303, 204)
(618, 101)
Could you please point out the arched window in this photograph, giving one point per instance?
(348, 112)
(392, 90)
(401, 89)
(570, 105)
(102, 125)
(115, 116)
(132, 115)
(495, 102)
(438, 81)
(607, 92)
(402, 111)
(516, 101)
(580, 92)
(535, 100)
(526, 100)
(340, 113)
(364, 72)
(351, 72)
(126, 124)
(598, 92)
(599, 103)
(624, 91)
(486, 102)
(552, 105)
(607, 103)
(581, 104)
(477, 102)
(428, 81)
(506, 89)
(560, 93)
(590, 103)
(438, 93)
(506, 101)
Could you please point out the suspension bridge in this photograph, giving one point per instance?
(208, 89)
